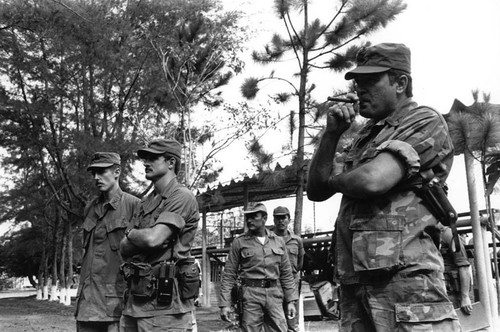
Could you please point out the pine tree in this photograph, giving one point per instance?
(316, 46)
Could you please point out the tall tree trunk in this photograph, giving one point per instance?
(480, 259)
(69, 277)
(41, 282)
(299, 197)
(62, 264)
(46, 277)
(55, 241)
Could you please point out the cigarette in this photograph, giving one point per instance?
(341, 100)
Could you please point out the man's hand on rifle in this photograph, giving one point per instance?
(224, 314)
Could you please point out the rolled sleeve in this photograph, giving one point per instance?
(405, 152)
(171, 219)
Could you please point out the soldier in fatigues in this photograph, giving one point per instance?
(163, 279)
(259, 258)
(295, 251)
(457, 271)
(390, 271)
(100, 292)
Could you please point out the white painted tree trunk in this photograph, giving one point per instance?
(67, 298)
(62, 295)
(53, 293)
(39, 293)
(45, 292)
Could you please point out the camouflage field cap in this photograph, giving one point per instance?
(255, 207)
(281, 211)
(380, 58)
(161, 146)
(104, 159)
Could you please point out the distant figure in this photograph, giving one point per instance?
(259, 258)
(389, 269)
(457, 271)
(163, 278)
(295, 251)
(100, 292)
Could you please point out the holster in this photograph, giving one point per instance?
(434, 196)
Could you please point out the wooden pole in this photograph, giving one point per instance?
(477, 233)
(205, 262)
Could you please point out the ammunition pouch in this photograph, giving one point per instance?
(188, 278)
(140, 279)
(145, 281)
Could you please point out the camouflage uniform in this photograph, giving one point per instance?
(262, 307)
(391, 272)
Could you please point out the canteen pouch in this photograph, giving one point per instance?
(141, 280)
(188, 277)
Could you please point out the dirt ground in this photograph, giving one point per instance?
(25, 314)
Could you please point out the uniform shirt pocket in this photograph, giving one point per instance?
(423, 316)
(88, 225)
(293, 252)
(246, 254)
(116, 232)
(377, 242)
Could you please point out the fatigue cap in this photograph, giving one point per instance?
(161, 146)
(104, 159)
(281, 211)
(380, 58)
(255, 207)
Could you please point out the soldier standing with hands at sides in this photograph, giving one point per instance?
(295, 251)
(259, 256)
(100, 293)
(457, 271)
(162, 277)
(390, 271)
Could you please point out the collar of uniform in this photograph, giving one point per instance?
(169, 188)
(269, 234)
(287, 232)
(395, 118)
(115, 200)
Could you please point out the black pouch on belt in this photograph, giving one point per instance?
(188, 275)
(166, 283)
(141, 280)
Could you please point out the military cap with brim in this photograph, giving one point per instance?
(104, 159)
(255, 207)
(281, 211)
(161, 146)
(381, 58)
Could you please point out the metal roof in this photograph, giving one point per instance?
(280, 183)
